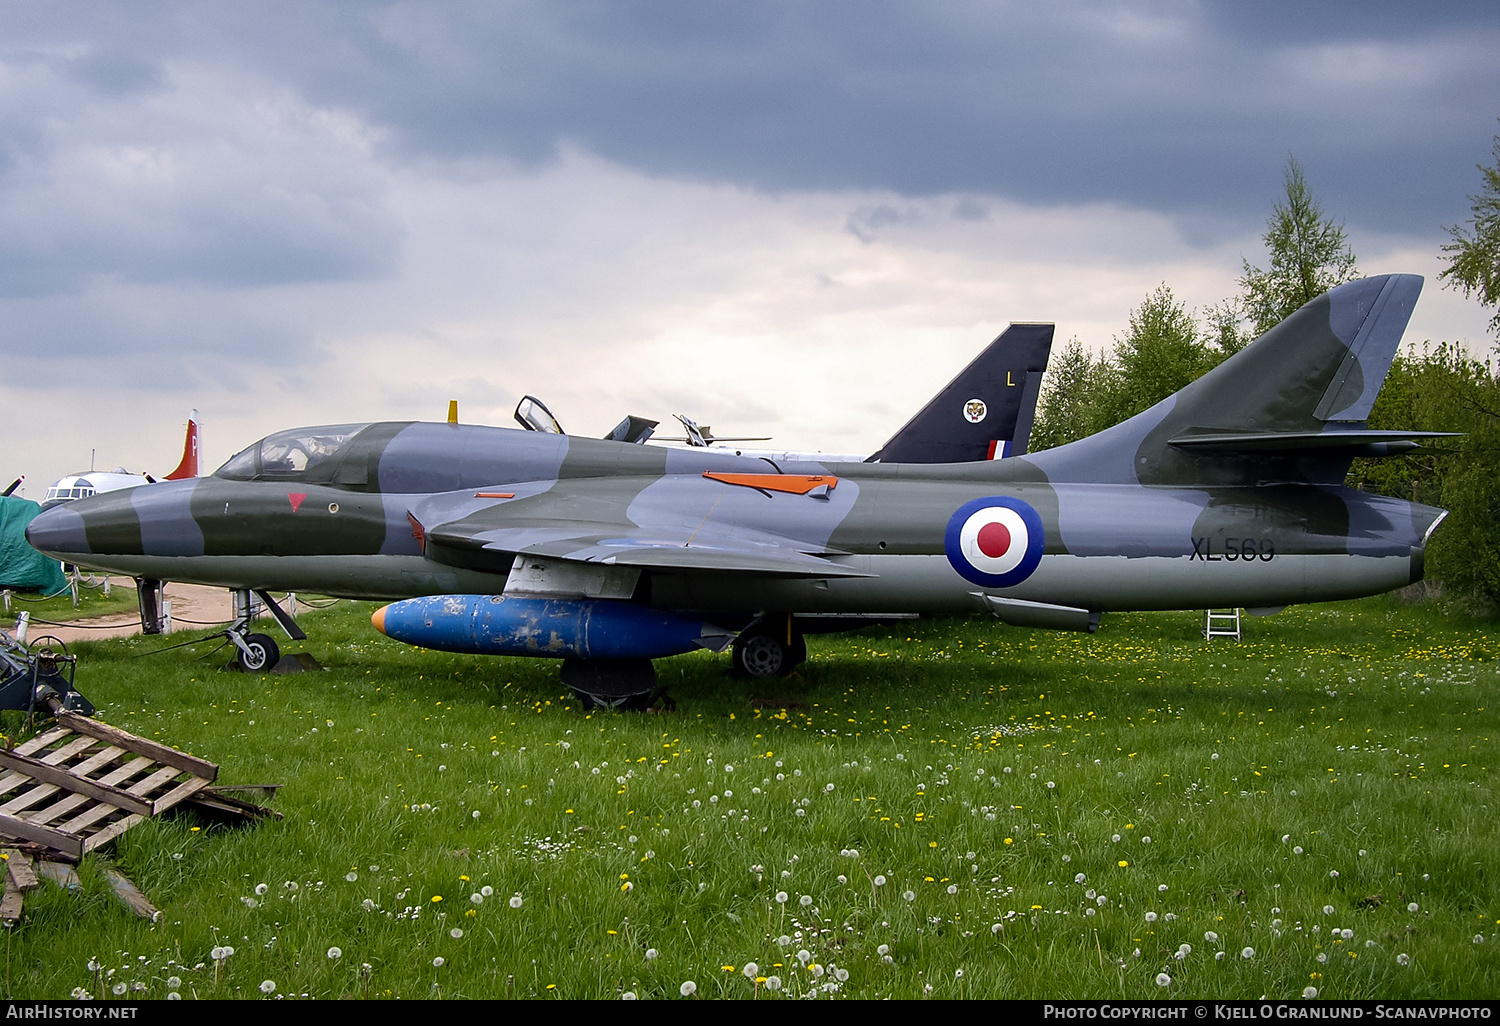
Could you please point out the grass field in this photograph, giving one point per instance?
(957, 809)
(60, 609)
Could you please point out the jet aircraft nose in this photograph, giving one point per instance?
(58, 532)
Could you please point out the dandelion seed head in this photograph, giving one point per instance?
(437, 963)
(909, 895)
(651, 954)
(1248, 953)
(688, 988)
(268, 987)
(333, 953)
(1163, 980)
(515, 901)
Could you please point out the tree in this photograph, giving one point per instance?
(1475, 263)
(1160, 353)
(1309, 256)
(1065, 412)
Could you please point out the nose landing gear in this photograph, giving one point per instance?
(258, 653)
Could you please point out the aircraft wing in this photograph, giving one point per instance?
(487, 538)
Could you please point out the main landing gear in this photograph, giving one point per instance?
(772, 646)
(258, 653)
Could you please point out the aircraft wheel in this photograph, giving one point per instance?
(762, 655)
(263, 653)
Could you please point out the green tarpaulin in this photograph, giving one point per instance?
(21, 566)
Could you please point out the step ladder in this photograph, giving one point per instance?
(1220, 623)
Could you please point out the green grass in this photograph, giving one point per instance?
(60, 609)
(962, 756)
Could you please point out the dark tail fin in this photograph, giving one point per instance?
(986, 411)
(1291, 406)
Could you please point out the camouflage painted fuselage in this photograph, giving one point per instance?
(1226, 494)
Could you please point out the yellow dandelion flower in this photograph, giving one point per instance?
(1124, 863)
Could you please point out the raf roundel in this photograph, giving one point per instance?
(995, 542)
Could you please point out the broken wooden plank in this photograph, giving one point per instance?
(215, 803)
(159, 752)
(68, 844)
(75, 782)
(42, 740)
(109, 833)
(11, 781)
(66, 806)
(10, 904)
(182, 792)
(18, 868)
(130, 894)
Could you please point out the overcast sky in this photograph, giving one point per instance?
(796, 219)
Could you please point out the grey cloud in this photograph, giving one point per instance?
(1185, 108)
(198, 183)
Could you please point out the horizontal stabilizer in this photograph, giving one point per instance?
(1359, 441)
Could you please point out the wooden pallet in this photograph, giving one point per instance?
(83, 783)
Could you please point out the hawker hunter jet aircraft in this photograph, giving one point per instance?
(608, 555)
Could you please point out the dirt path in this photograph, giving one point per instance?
(208, 607)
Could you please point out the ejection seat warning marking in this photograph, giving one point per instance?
(1234, 549)
(796, 484)
(296, 499)
(494, 495)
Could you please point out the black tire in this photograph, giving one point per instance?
(760, 655)
(264, 653)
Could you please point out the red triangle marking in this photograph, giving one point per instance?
(296, 498)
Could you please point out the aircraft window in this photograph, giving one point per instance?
(241, 466)
(289, 454)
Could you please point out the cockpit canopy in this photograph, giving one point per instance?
(301, 454)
